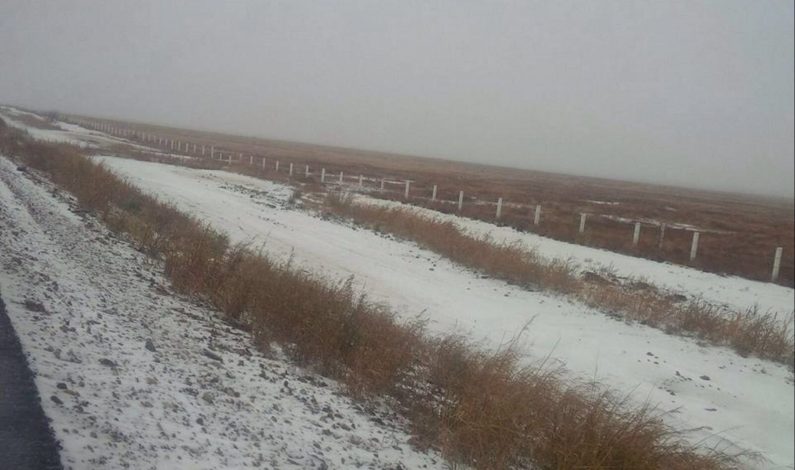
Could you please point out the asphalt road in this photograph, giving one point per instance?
(26, 440)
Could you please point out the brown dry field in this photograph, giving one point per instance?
(739, 232)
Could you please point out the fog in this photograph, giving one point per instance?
(693, 93)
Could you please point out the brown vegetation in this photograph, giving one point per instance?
(739, 232)
(766, 334)
(479, 408)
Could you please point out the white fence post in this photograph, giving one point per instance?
(406, 193)
(636, 235)
(460, 200)
(251, 160)
(382, 184)
(240, 157)
(694, 246)
(499, 207)
(582, 222)
(322, 175)
(361, 180)
(195, 148)
(202, 150)
(340, 176)
(537, 215)
(776, 264)
(306, 171)
(277, 166)
(212, 152)
(264, 163)
(433, 195)
(291, 170)
(662, 237)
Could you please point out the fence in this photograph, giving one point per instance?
(430, 196)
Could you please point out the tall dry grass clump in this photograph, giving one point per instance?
(480, 409)
(768, 335)
(512, 262)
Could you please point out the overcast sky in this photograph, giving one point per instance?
(695, 93)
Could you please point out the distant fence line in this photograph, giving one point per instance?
(213, 153)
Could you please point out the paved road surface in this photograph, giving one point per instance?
(26, 441)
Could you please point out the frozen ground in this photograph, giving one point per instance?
(742, 400)
(731, 291)
(133, 376)
(68, 133)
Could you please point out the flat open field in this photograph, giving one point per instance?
(738, 233)
(733, 401)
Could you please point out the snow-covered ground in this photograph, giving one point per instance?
(731, 291)
(68, 133)
(742, 400)
(133, 376)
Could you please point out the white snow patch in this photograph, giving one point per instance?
(123, 405)
(746, 401)
(730, 291)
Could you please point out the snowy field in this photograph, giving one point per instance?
(133, 376)
(724, 397)
(744, 400)
(730, 291)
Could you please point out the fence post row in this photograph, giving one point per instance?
(177, 145)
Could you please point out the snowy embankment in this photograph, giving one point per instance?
(133, 376)
(744, 400)
(730, 291)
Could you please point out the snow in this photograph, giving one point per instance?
(745, 401)
(119, 404)
(603, 203)
(731, 291)
(70, 133)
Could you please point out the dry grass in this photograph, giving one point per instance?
(765, 334)
(481, 409)
(740, 231)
